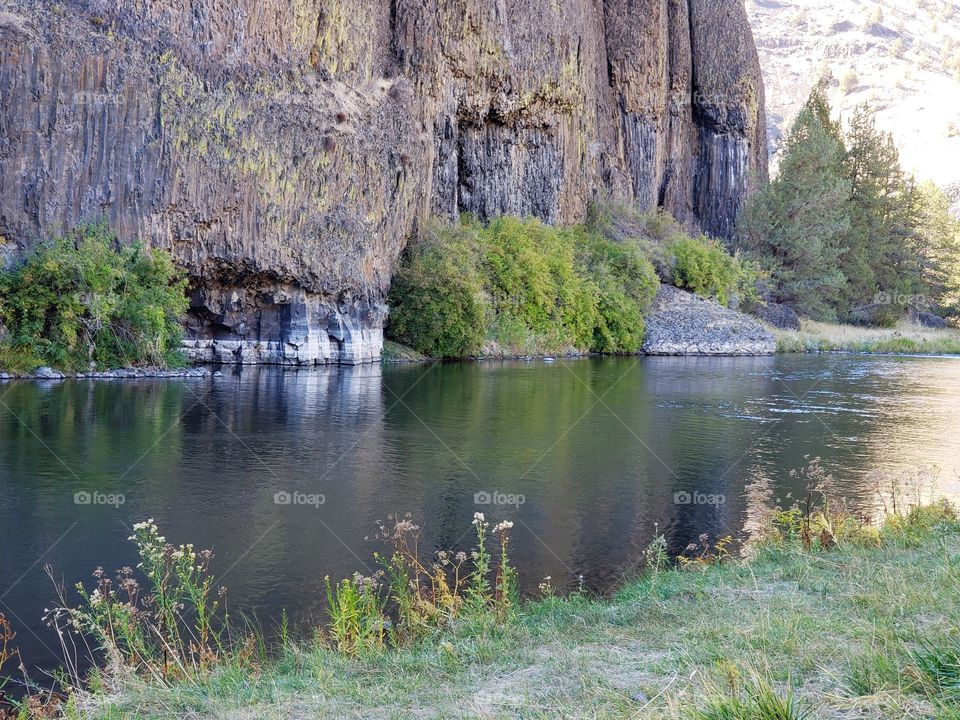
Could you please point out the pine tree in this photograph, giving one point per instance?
(938, 250)
(795, 225)
(883, 216)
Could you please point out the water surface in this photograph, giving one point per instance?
(602, 451)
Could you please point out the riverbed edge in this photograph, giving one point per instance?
(667, 644)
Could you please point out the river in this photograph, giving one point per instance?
(285, 473)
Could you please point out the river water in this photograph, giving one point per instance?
(285, 473)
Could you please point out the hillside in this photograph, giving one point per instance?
(902, 56)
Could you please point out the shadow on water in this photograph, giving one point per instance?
(587, 457)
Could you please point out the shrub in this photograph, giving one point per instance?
(529, 288)
(706, 268)
(82, 298)
(437, 298)
(625, 284)
(172, 627)
(530, 275)
(524, 286)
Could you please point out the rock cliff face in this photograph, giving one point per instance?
(283, 150)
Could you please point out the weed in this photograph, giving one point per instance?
(169, 631)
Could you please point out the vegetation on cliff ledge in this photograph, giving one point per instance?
(520, 287)
(82, 299)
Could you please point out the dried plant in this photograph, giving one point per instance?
(169, 628)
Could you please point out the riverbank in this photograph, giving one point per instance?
(865, 629)
(905, 338)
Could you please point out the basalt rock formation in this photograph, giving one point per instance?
(284, 150)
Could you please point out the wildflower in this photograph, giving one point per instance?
(478, 518)
(461, 557)
(503, 526)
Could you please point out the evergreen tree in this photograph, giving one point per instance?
(938, 250)
(879, 255)
(795, 226)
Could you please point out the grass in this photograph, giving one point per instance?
(394, 352)
(863, 630)
(906, 338)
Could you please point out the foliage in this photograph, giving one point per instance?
(530, 274)
(357, 622)
(702, 553)
(705, 267)
(81, 299)
(424, 594)
(937, 245)
(754, 699)
(172, 630)
(938, 665)
(906, 338)
(521, 286)
(844, 232)
(794, 226)
(624, 285)
(436, 298)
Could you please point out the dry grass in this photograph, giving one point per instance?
(906, 338)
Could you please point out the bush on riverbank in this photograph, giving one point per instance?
(82, 299)
(519, 287)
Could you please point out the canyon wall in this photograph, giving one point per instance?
(284, 150)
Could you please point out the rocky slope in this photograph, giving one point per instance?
(681, 323)
(901, 56)
(283, 151)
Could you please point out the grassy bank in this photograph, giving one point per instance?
(906, 338)
(828, 619)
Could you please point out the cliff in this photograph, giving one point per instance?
(283, 150)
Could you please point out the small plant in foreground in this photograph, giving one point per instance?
(703, 554)
(754, 699)
(169, 630)
(937, 666)
(506, 590)
(656, 556)
(357, 621)
(871, 673)
(420, 595)
(7, 653)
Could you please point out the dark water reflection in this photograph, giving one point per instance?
(598, 449)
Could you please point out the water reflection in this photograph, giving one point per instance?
(601, 451)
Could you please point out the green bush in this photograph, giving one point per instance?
(82, 299)
(520, 285)
(527, 288)
(625, 284)
(705, 267)
(437, 301)
(530, 275)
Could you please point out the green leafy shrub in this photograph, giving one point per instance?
(530, 274)
(625, 284)
(521, 286)
(437, 298)
(80, 299)
(705, 267)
